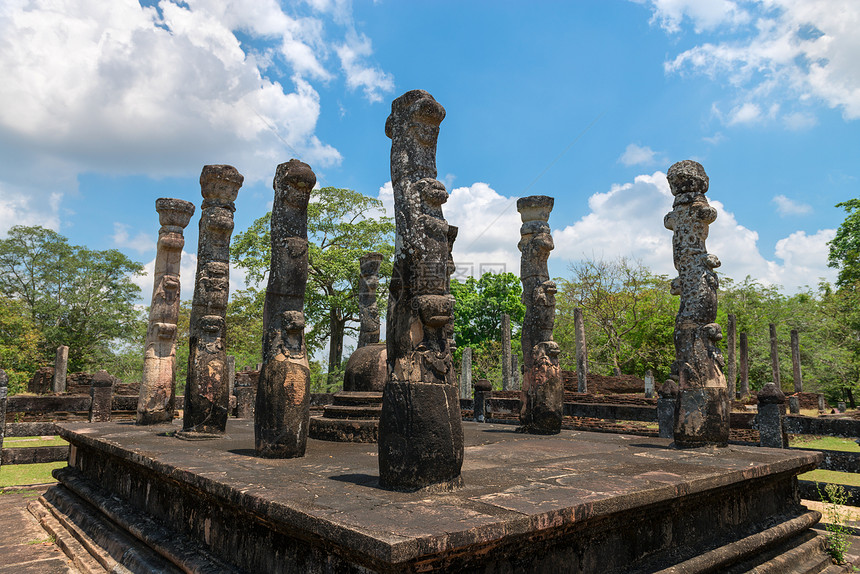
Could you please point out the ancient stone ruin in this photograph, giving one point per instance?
(206, 398)
(158, 386)
(366, 368)
(283, 391)
(543, 390)
(368, 310)
(420, 432)
(702, 410)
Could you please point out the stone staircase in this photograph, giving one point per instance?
(352, 417)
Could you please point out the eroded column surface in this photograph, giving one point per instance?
(581, 351)
(702, 411)
(420, 433)
(543, 391)
(732, 365)
(368, 309)
(206, 398)
(155, 403)
(282, 411)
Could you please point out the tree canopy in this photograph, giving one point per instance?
(845, 246)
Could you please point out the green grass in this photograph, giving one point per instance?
(25, 441)
(21, 474)
(824, 443)
(831, 476)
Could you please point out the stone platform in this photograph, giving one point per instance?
(574, 502)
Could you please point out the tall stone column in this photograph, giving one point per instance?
(745, 366)
(581, 351)
(732, 365)
(543, 391)
(795, 362)
(420, 430)
(282, 412)
(702, 411)
(4, 384)
(155, 403)
(506, 352)
(774, 355)
(206, 398)
(368, 310)
(466, 374)
(61, 368)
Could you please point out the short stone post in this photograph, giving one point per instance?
(483, 390)
(649, 384)
(667, 397)
(61, 367)
(840, 406)
(581, 351)
(466, 373)
(515, 372)
(506, 352)
(745, 366)
(731, 361)
(101, 393)
(794, 405)
(4, 387)
(245, 398)
(774, 355)
(157, 399)
(770, 417)
(795, 362)
(206, 398)
(822, 405)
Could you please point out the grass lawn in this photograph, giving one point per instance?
(24, 441)
(824, 443)
(824, 476)
(21, 474)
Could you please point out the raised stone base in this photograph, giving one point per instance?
(573, 502)
(353, 416)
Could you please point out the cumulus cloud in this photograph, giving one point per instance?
(637, 155)
(116, 87)
(373, 81)
(141, 242)
(786, 206)
(793, 52)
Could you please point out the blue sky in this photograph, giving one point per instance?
(106, 106)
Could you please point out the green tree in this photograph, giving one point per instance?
(343, 225)
(845, 246)
(75, 296)
(19, 344)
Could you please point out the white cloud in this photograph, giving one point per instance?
(745, 114)
(116, 87)
(637, 155)
(141, 242)
(786, 206)
(704, 14)
(792, 52)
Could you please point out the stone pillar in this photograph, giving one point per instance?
(156, 401)
(506, 353)
(450, 327)
(101, 393)
(666, 401)
(543, 391)
(61, 367)
(282, 412)
(368, 310)
(745, 366)
(795, 362)
(822, 405)
(581, 351)
(231, 374)
(206, 399)
(774, 355)
(731, 365)
(794, 405)
(466, 373)
(245, 399)
(420, 428)
(649, 384)
(702, 412)
(4, 388)
(483, 390)
(515, 372)
(770, 417)
(840, 407)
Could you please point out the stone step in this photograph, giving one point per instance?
(353, 412)
(344, 398)
(344, 430)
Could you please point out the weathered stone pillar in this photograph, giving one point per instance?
(794, 405)
(420, 429)
(702, 413)
(649, 384)
(282, 412)
(543, 391)
(231, 374)
(4, 388)
(581, 351)
(666, 401)
(795, 362)
(246, 394)
(206, 399)
(368, 309)
(101, 393)
(156, 401)
(483, 390)
(840, 406)
(822, 405)
(61, 367)
(732, 365)
(506, 352)
(770, 417)
(515, 373)
(466, 373)
(774, 355)
(745, 366)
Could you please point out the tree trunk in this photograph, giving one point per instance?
(335, 350)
